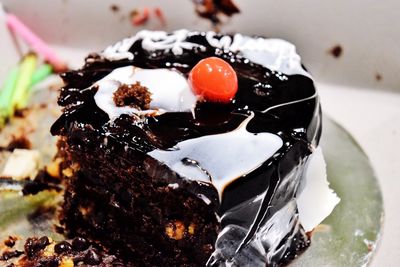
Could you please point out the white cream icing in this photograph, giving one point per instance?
(275, 54)
(152, 40)
(170, 91)
(220, 158)
(316, 200)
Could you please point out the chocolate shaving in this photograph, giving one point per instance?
(133, 95)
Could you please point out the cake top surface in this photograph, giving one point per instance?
(276, 99)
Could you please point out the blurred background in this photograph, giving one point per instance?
(351, 47)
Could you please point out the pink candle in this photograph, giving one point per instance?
(37, 44)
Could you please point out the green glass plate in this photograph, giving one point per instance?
(348, 237)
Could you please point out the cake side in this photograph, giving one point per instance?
(232, 169)
(141, 211)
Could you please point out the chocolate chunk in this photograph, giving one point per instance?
(92, 257)
(63, 247)
(80, 244)
(34, 245)
(11, 254)
(43, 242)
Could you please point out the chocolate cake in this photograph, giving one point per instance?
(192, 149)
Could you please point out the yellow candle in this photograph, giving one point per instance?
(6, 93)
(27, 68)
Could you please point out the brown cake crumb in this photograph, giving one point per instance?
(21, 113)
(210, 9)
(336, 51)
(133, 95)
(10, 241)
(10, 254)
(34, 245)
(114, 8)
(20, 142)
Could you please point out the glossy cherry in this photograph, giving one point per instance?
(214, 79)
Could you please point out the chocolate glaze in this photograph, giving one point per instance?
(261, 91)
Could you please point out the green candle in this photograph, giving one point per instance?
(6, 94)
(28, 65)
(41, 73)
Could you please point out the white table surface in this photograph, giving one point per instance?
(373, 118)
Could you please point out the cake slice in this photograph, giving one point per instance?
(190, 149)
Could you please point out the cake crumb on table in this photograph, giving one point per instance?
(114, 8)
(10, 241)
(212, 10)
(20, 141)
(336, 51)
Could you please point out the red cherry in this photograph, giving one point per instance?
(214, 79)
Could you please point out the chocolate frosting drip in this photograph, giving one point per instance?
(285, 105)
